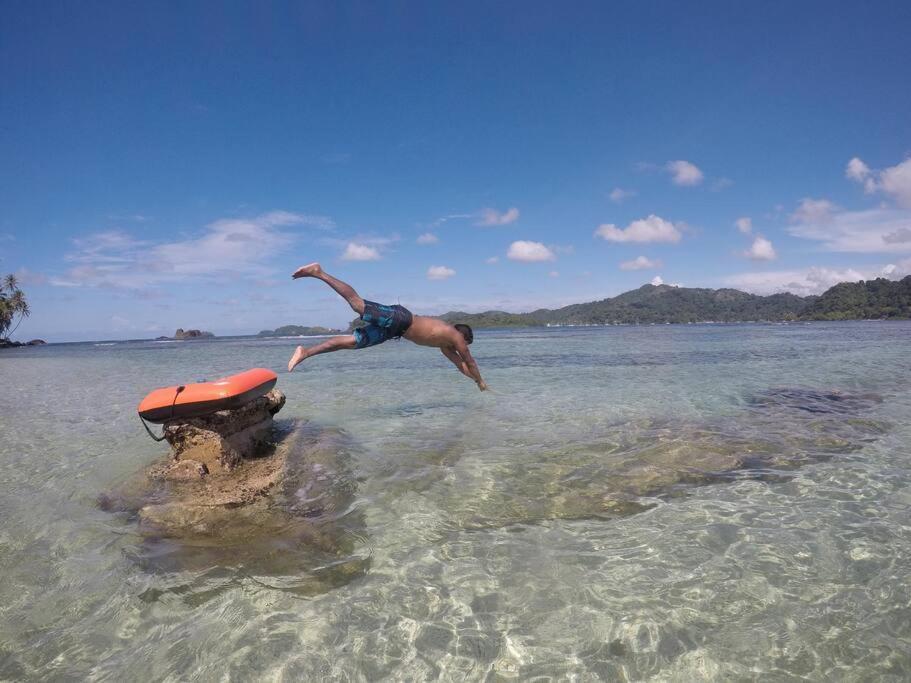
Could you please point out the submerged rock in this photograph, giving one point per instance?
(816, 400)
(240, 492)
(630, 470)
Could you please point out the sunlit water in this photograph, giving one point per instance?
(670, 502)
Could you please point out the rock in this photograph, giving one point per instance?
(8, 344)
(220, 441)
(186, 470)
(36, 342)
(191, 334)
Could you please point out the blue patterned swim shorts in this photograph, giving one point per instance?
(383, 322)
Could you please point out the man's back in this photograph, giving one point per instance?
(431, 332)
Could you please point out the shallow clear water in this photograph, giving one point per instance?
(669, 502)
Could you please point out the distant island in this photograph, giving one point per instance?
(187, 334)
(863, 300)
(297, 331)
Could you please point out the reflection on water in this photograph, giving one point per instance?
(306, 535)
(673, 502)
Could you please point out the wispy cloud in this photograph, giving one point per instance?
(813, 212)
(879, 230)
(650, 229)
(618, 195)
(427, 238)
(814, 280)
(486, 217)
(452, 217)
(530, 252)
(490, 217)
(744, 225)
(30, 277)
(227, 248)
(133, 218)
(640, 263)
(439, 273)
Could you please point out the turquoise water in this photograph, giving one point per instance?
(703, 502)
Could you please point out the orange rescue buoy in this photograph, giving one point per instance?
(202, 398)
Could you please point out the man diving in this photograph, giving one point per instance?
(391, 322)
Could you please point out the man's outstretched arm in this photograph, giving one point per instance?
(460, 364)
(467, 365)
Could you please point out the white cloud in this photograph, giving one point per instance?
(650, 229)
(439, 273)
(761, 250)
(857, 170)
(360, 252)
(428, 238)
(618, 195)
(744, 225)
(880, 230)
(814, 211)
(492, 260)
(554, 273)
(719, 185)
(489, 217)
(640, 263)
(814, 280)
(684, 173)
(228, 248)
(900, 236)
(657, 280)
(894, 181)
(529, 252)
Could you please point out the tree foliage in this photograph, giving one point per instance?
(13, 306)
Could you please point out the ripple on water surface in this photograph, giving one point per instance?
(689, 503)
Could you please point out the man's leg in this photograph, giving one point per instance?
(345, 290)
(346, 341)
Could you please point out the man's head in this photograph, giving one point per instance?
(465, 331)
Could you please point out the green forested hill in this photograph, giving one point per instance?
(878, 298)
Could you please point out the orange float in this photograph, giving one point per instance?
(202, 398)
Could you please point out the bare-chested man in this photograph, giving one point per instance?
(389, 322)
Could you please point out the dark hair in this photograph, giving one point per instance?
(466, 332)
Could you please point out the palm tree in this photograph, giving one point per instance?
(12, 304)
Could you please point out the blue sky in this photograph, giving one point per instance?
(168, 165)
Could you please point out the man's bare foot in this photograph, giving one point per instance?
(310, 270)
(299, 354)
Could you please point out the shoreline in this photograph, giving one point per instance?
(485, 328)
